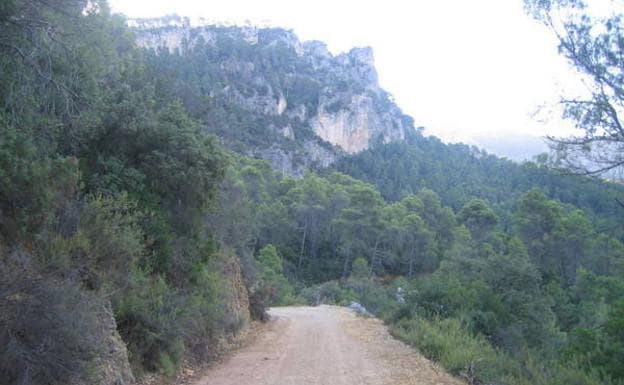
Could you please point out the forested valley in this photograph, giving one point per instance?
(140, 230)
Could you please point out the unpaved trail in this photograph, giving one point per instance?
(325, 345)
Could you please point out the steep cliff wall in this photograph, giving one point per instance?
(294, 103)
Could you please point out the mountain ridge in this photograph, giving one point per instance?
(320, 107)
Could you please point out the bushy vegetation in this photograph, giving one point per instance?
(49, 331)
(472, 358)
(447, 342)
(279, 292)
(105, 187)
(532, 294)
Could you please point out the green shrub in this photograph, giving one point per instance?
(167, 364)
(32, 186)
(150, 321)
(277, 288)
(331, 293)
(258, 304)
(461, 353)
(360, 268)
(104, 248)
(373, 295)
(536, 371)
(215, 307)
(50, 330)
(473, 358)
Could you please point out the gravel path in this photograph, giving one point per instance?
(325, 345)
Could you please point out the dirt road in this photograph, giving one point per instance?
(325, 345)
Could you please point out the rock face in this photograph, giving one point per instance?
(298, 105)
(112, 366)
(354, 126)
(237, 303)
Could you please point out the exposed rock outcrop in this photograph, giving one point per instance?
(299, 106)
(112, 366)
(356, 123)
(237, 297)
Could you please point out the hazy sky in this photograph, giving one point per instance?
(462, 69)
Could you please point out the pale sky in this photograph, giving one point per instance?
(462, 69)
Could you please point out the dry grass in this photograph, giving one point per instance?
(404, 365)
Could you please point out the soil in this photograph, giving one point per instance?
(324, 345)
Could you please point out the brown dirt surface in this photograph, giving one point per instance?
(325, 345)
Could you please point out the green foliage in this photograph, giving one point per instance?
(497, 295)
(101, 245)
(148, 319)
(104, 182)
(600, 349)
(478, 217)
(473, 358)
(280, 291)
(459, 173)
(50, 332)
(135, 148)
(559, 242)
(32, 185)
(536, 218)
(463, 354)
(377, 298)
(360, 268)
(614, 348)
(331, 292)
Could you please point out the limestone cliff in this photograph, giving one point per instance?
(269, 95)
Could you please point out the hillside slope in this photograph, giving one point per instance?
(267, 94)
(458, 173)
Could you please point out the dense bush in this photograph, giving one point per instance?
(474, 359)
(273, 284)
(50, 331)
(150, 320)
(471, 357)
(379, 299)
(105, 183)
(97, 243)
(331, 293)
(32, 186)
(446, 342)
(160, 322)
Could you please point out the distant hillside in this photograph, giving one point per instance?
(459, 173)
(267, 94)
(514, 147)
